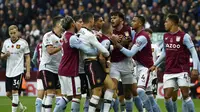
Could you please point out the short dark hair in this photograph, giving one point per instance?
(174, 18)
(117, 13)
(142, 19)
(56, 19)
(149, 30)
(77, 17)
(66, 22)
(86, 17)
(96, 17)
(105, 28)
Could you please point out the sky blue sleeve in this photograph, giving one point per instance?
(106, 43)
(190, 45)
(141, 42)
(34, 58)
(188, 41)
(133, 34)
(76, 42)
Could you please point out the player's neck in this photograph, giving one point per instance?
(119, 27)
(139, 29)
(96, 28)
(174, 29)
(71, 31)
(87, 26)
(57, 32)
(14, 41)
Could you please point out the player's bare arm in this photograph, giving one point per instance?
(28, 61)
(5, 55)
(52, 50)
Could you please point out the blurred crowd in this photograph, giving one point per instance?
(34, 17)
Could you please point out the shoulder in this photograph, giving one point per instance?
(48, 34)
(23, 41)
(7, 41)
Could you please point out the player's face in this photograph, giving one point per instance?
(168, 24)
(60, 28)
(115, 21)
(14, 35)
(135, 23)
(149, 34)
(79, 24)
(100, 22)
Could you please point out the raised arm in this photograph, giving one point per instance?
(141, 42)
(93, 40)
(76, 42)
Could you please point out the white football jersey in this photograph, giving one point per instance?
(50, 62)
(15, 62)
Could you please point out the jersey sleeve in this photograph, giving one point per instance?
(188, 41)
(141, 42)
(106, 43)
(93, 40)
(26, 48)
(47, 41)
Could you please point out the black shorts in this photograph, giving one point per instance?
(84, 84)
(50, 80)
(120, 88)
(155, 86)
(95, 73)
(13, 83)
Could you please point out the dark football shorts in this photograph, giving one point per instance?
(95, 73)
(120, 88)
(13, 83)
(50, 80)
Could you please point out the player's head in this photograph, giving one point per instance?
(137, 22)
(149, 31)
(13, 32)
(68, 24)
(88, 18)
(171, 20)
(56, 22)
(107, 28)
(98, 22)
(78, 21)
(117, 18)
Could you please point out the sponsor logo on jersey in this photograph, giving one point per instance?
(18, 46)
(175, 46)
(178, 38)
(126, 34)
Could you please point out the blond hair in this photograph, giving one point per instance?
(11, 27)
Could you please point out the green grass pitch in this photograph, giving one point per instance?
(5, 104)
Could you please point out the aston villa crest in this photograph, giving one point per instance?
(178, 38)
(126, 34)
(18, 46)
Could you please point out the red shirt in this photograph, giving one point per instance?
(116, 55)
(177, 54)
(144, 56)
(69, 64)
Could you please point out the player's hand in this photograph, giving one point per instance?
(27, 75)
(194, 74)
(152, 68)
(7, 54)
(114, 39)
